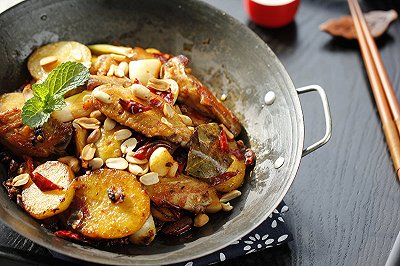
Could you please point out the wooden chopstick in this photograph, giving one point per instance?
(386, 84)
(386, 101)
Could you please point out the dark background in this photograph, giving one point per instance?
(344, 204)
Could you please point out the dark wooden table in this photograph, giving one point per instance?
(345, 201)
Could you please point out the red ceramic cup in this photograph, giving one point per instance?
(271, 13)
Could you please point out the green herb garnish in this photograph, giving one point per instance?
(49, 95)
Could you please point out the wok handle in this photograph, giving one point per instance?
(327, 114)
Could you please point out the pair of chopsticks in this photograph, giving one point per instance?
(385, 98)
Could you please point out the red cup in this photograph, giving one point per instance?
(271, 13)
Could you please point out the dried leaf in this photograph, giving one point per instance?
(206, 159)
(378, 22)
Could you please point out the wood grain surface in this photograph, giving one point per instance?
(345, 202)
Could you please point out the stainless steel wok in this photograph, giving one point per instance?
(224, 54)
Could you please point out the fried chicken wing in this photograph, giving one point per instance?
(97, 80)
(150, 120)
(52, 138)
(181, 191)
(195, 94)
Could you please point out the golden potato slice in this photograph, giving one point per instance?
(112, 202)
(41, 204)
(11, 100)
(237, 180)
(48, 57)
(108, 146)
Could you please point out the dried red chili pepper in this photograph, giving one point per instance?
(43, 183)
(133, 106)
(223, 142)
(155, 102)
(216, 180)
(40, 181)
(146, 150)
(166, 95)
(249, 156)
(68, 235)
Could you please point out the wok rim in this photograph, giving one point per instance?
(115, 258)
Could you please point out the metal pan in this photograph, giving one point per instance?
(224, 54)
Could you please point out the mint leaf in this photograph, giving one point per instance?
(66, 77)
(40, 91)
(55, 103)
(49, 95)
(33, 114)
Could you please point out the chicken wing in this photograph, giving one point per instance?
(181, 191)
(52, 138)
(193, 93)
(150, 121)
(97, 80)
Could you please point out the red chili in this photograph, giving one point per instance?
(133, 106)
(40, 181)
(249, 156)
(146, 150)
(166, 95)
(223, 141)
(216, 180)
(43, 183)
(155, 102)
(68, 235)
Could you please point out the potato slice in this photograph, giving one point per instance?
(62, 52)
(108, 146)
(41, 204)
(11, 100)
(237, 180)
(112, 203)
